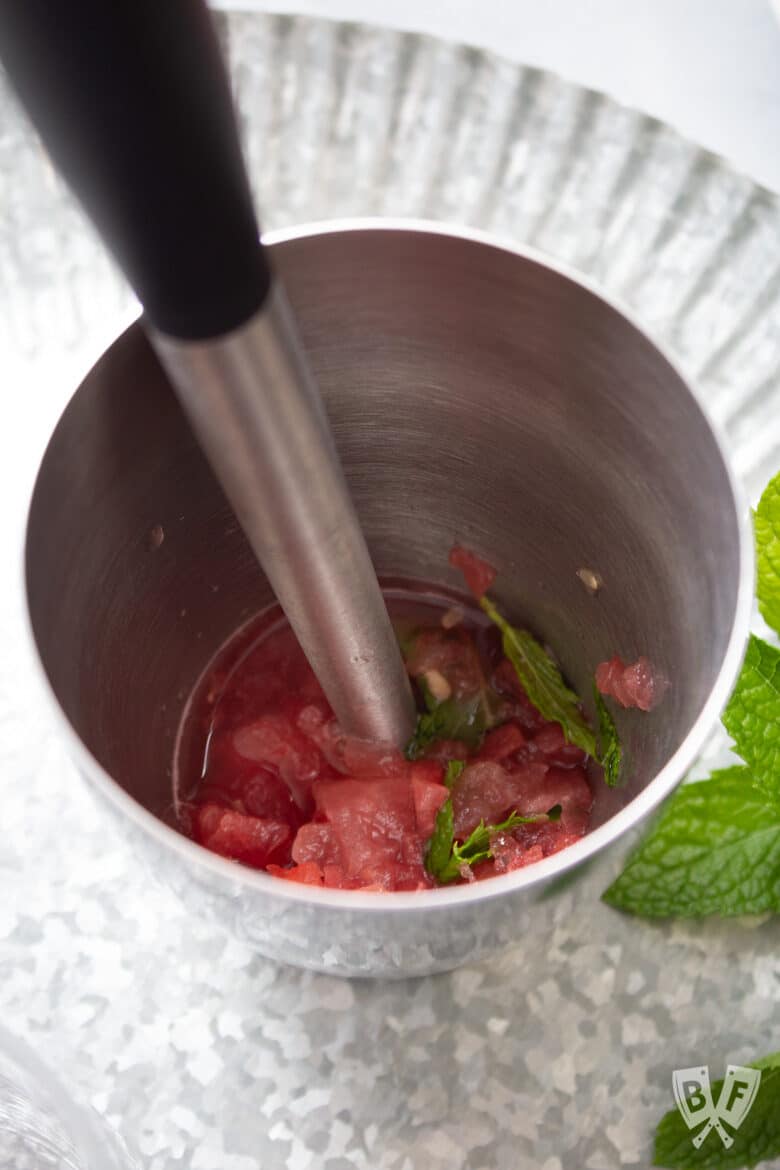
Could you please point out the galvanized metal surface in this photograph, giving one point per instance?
(559, 1053)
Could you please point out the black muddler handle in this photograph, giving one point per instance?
(132, 101)
(133, 104)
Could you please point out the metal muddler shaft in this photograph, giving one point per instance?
(279, 468)
(132, 101)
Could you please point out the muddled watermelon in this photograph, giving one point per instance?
(272, 781)
(638, 684)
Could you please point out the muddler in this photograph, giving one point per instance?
(132, 101)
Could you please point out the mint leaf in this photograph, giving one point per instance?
(476, 847)
(542, 681)
(610, 751)
(767, 525)
(715, 849)
(465, 720)
(756, 1140)
(452, 771)
(752, 717)
(439, 851)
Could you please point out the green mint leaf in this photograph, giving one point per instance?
(452, 771)
(767, 525)
(554, 813)
(439, 850)
(610, 751)
(476, 847)
(542, 681)
(478, 841)
(756, 1140)
(715, 849)
(453, 869)
(464, 720)
(752, 717)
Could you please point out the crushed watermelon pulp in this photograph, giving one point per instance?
(266, 777)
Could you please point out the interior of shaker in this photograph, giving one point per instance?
(475, 396)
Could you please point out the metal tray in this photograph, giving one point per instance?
(560, 1053)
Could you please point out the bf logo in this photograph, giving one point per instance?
(694, 1099)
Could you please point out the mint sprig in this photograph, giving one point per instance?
(757, 1139)
(767, 526)
(452, 771)
(542, 681)
(439, 851)
(610, 751)
(714, 850)
(475, 848)
(445, 857)
(752, 717)
(465, 720)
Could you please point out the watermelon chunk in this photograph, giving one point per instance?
(316, 842)
(375, 828)
(275, 740)
(429, 795)
(538, 791)
(441, 751)
(346, 753)
(253, 840)
(639, 684)
(308, 873)
(452, 654)
(506, 682)
(510, 852)
(488, 792)
(265, 794)
(502, 742)
(551, 743)
(478, 573)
